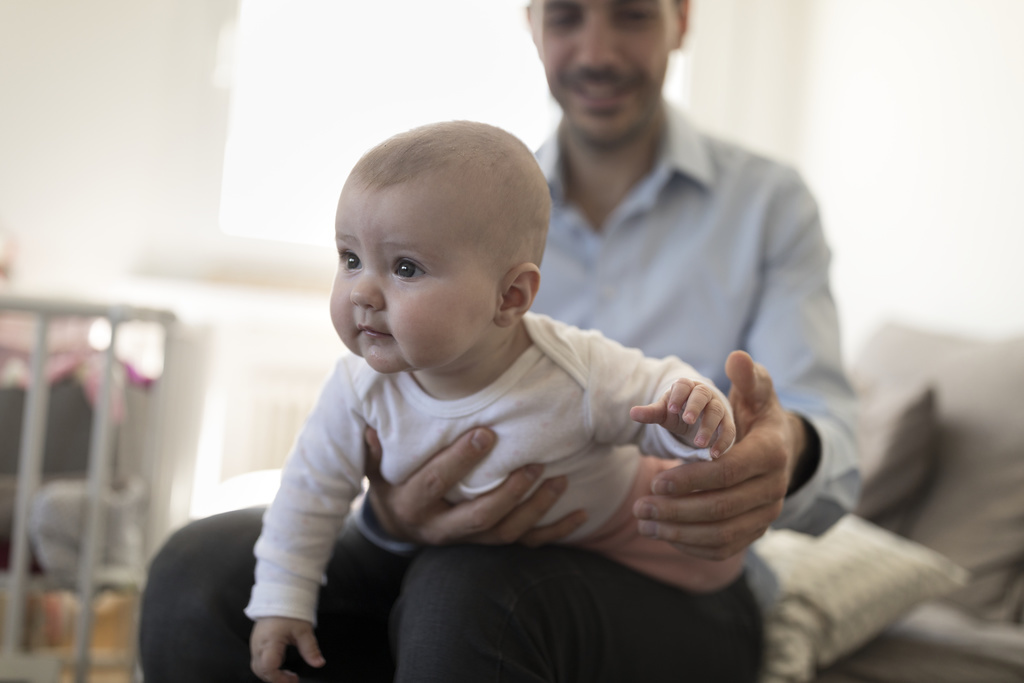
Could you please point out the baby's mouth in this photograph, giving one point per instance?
(371, 332)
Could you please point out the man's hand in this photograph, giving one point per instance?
(268, 641)
(714, 510)
(416, 510)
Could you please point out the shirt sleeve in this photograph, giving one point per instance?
(622, 377)
(794, 333)
(321, 478)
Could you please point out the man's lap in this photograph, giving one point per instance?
(506, 613)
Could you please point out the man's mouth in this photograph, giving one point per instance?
(599, 88)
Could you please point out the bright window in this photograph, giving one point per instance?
(315, 83)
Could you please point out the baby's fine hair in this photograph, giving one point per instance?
(500, 172)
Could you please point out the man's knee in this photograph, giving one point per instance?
(511, 611)
(197, 585)
(207, 552)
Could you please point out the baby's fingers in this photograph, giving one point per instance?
(266, 664)
(651, 414)
(713, 416)
(687, 399)
(723, 438)
(306, 643)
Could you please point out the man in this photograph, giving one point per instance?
(665, 240)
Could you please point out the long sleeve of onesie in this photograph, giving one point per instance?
(321, 478)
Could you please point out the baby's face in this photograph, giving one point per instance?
(413, 291)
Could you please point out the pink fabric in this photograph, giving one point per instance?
(619, 540)
(85, 366)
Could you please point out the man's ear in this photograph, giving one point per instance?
(518, 290)
(534, 27)
(682, 19)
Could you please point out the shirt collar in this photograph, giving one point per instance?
(683, 150)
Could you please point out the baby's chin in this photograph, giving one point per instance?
(384, 363)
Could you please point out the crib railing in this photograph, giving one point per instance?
(91, 572)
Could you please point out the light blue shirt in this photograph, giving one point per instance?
(716, 249)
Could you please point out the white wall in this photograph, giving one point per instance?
(907, 119)
(914, 140)
(112, 132)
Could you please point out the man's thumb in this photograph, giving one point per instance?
(751, 386)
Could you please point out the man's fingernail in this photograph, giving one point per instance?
(646, 528)
(482, 439)
(663, 487)
(533, 472)
(646, 511)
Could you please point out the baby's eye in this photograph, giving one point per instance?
(407, 269)
(350, 260)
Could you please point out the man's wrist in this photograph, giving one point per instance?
(806, 445)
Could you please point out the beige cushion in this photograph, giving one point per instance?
(973, 511)
(840, 590)
(896, 431)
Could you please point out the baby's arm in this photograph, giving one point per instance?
(688, 405)
(270, 637)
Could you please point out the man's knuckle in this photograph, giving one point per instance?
(434, 484)
(720, 509)
(505, 536)
(476, 522)
(728, 471)
(433, 536)
(776, 491)
(721, 553)
(407, 514)
(669, 533)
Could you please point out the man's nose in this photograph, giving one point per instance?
(596, 41)
(366, 292)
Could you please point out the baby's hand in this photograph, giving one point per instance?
(270, 637)
(681, 407)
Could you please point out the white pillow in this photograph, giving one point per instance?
(841, 589)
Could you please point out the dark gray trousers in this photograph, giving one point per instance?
(462, 613)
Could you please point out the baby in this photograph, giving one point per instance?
(440, 233)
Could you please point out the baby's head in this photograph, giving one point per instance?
(440, 232)
(497, 180)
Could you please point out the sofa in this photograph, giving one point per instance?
(925, 582)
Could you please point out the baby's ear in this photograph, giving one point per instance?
(518, 290)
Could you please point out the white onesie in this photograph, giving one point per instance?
(564, 403)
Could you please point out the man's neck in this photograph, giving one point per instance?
(597, 179)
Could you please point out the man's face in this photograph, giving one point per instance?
(605, 62)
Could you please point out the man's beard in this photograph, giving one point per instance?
(580, 79)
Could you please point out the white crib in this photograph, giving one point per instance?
(92, 571)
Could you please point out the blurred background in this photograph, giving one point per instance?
(187, 154)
